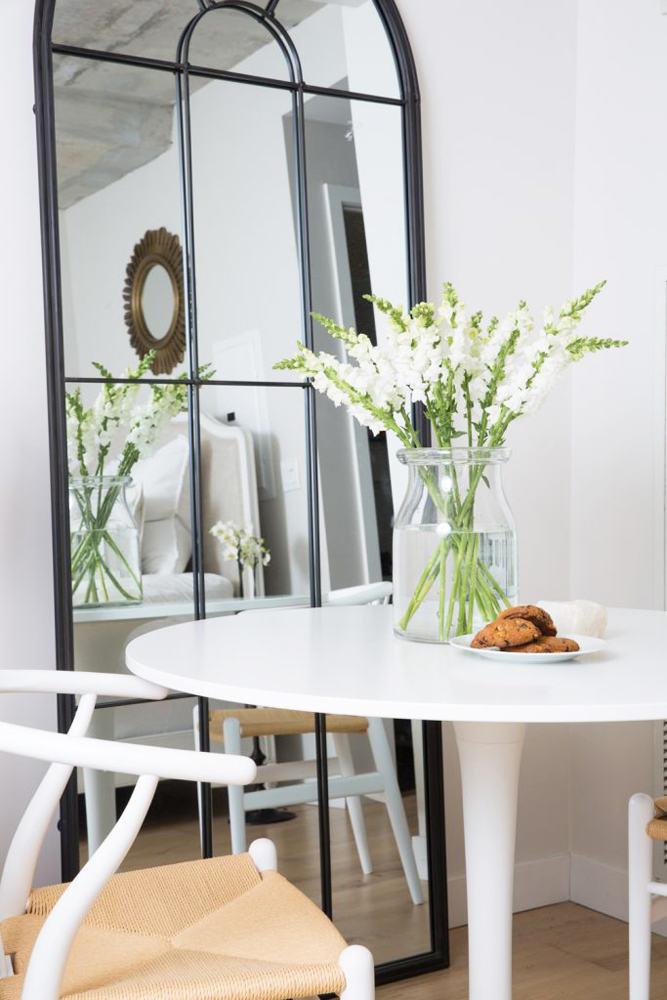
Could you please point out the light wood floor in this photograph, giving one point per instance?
(561, 952)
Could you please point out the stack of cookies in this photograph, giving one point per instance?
(524, 629)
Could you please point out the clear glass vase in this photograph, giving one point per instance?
(455, 552)
(105, 547)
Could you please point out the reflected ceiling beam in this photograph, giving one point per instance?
(112, 118)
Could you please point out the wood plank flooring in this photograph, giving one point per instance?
(561, 952)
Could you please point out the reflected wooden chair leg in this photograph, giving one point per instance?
(394, 802)
(353, 802)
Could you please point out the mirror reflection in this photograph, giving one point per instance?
(120, 182)
(157, 301)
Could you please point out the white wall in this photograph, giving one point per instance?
(498, 97)
(618, 444)
(26, 598)
(545, 159)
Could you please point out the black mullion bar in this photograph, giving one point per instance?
(101, 55)
(194, 429)
(312, 488)
(205, 72)
(54, 341)
(435, 840)
(98, 380)
(323, 813)
(352, 95)
(123, 702)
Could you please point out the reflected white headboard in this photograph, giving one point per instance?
(229, 486)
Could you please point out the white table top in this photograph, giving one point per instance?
(347, 660)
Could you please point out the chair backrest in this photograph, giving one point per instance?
(229, 487)
(364, 593)
(66, 751)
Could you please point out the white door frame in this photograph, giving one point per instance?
(337, 198)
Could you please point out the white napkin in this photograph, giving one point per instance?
(578, 617)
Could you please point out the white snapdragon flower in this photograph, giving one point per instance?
(239, 544)
(471, 378)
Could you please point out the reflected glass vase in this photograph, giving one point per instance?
(455, 551)
(105, 545)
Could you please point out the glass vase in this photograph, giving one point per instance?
(105, 546)
(455, 551)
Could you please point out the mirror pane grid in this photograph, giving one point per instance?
(123, 296)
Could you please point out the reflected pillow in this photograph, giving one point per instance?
(166, 543)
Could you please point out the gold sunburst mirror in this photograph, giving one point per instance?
(154, 299)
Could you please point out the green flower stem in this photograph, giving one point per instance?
(96, 564)
(87, 559)
(443, 589)
(421, 590)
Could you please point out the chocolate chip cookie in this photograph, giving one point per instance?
(506, 634)
(531, 613)
(547, 644)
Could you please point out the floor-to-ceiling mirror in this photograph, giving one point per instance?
(211, 175)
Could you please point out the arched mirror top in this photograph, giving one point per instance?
(347, 45)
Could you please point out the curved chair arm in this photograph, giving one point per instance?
(79, 682)
(128, 758)
(44, 975)
(19, 868)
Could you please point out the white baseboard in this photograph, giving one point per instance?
(603, 888)
(599, 886)
(536, 883)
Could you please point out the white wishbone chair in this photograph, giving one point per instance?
(228, 927)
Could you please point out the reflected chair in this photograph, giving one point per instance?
(230, 927)
(230, 726)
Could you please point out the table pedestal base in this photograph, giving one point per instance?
(490, 758)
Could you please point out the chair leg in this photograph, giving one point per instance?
(353, 803)
(200, 793)
(640, 873)
(357, 965)
(232, 735)
(395, 808)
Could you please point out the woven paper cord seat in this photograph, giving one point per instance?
(657, 828)
(202, 930)
(281, 722)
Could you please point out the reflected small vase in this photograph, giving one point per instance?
(247, 581)
(455, 550)
(105, 544)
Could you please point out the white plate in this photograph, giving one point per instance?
(587, 644)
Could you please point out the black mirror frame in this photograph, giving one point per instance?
(409, 101)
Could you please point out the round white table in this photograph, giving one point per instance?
(347, 661)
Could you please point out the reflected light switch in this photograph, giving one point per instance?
(289, 473)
